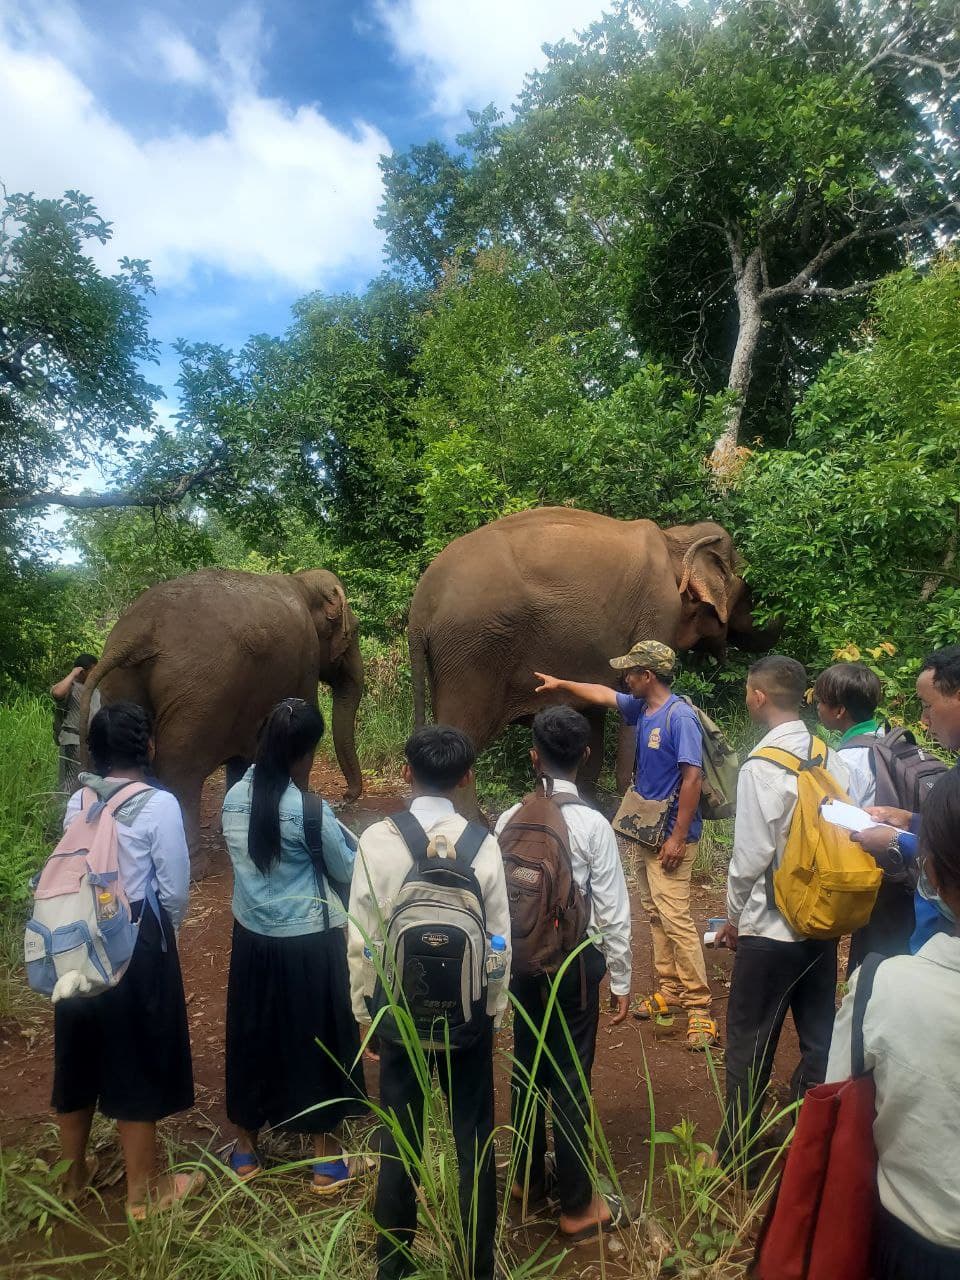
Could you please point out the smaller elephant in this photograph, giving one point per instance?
(210, 653)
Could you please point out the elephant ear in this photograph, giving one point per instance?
(338, 616)
(704, 576)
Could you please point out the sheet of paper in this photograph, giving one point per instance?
(847, 816)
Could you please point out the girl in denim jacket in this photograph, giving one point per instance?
(291, 1039)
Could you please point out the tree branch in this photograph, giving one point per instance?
(800, 284)
(121, 498)
(12, 366)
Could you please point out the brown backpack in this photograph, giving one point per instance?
(549, 913)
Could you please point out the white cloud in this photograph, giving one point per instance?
(471, 52)
(176, 59)
(274, 192)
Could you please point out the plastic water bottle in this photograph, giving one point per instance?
(107, 905)
(496, 969)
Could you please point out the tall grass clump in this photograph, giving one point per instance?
(28, 814)
(28, 783)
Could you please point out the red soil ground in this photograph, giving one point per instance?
(681, 1081)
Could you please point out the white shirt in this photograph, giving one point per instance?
(151, 842)
(382, 863)
(766, 799)
(598, 871)
(863, 778)
(911, 1035)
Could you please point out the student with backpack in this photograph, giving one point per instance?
(911, 1034)
(780, 964)
(880, 767)
(565, 883)
(126, 1049)
(428, 922)
(938, 690)
(292, 1046)
(660, 816)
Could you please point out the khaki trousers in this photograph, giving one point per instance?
(677, 951)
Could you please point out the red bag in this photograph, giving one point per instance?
(820, 1225)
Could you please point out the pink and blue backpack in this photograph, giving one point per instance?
(80, 938)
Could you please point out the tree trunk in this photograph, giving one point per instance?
(346, 699)
(726, 457)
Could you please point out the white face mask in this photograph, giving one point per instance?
(929, 894)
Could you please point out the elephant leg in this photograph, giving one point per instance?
(189, 793)
(626, 756)
(182, 773)
(236, 767)
(590, 772)
(470, 709)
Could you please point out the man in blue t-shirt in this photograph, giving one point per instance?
(669, 766)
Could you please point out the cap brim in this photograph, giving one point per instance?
(624, 663)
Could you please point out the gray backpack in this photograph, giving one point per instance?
(434, 958)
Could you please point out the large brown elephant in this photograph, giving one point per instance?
(561, 590)
(210, 653)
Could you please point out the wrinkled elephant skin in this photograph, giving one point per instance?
(562, 591)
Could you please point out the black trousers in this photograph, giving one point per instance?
(769, 978)
(557, 1078)
(889, 928)
(466, 1079)
(899, 1253)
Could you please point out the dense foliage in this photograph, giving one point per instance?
(708, 221)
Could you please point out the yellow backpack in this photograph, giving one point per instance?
(825, 885)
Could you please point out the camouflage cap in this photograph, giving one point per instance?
(649, 654)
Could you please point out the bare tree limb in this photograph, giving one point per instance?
(801, 284)
(120, 498)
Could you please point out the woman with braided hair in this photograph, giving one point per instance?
(292, 1043)
(127, 1050)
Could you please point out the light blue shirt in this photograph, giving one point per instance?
(288, 901)
(151, 845)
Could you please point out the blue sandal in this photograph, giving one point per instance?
(337, 1170)
(246, 1160)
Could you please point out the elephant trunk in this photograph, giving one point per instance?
(347, 691)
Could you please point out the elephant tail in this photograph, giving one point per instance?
(119, 655)
(417, 643)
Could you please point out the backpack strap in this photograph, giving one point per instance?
(470, 842)
(796, 765)
(563, 798)
(411, 833)
(313, 837)
(865, 980)
(790, 761)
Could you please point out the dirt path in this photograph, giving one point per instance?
(682, 1085)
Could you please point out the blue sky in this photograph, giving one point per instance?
(236, 146)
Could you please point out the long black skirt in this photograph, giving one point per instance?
(127, 1051)
(292, 1042)
(900, 1254)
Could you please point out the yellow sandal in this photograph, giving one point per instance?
(702, 1033)
(654, 1006)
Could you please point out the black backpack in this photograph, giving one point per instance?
(435, 948)
(904, 772)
